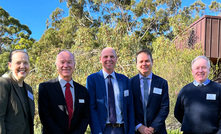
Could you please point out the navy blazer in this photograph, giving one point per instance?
(158, 103)
(99, 105)
(53, 110)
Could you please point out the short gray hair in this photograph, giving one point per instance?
(201, 57)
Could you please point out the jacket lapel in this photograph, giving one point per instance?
(137, 84)
(151, 88)
(58, 90)
(76, 96)
(30, 100)
(59, 94)
(101, 81)
(16, 88)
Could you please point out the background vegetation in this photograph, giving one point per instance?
(125, 25)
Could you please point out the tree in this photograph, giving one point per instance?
(13, 35)
(125, 25)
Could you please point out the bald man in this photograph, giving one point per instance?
(111, 104)
(63, 103)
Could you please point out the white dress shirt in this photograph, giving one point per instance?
(116, 96)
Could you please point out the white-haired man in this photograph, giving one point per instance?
(198, 106)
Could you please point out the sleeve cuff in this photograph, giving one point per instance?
(137, 126)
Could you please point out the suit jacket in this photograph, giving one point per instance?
(158, 103)
(99, 105)
(53, 109)
(13, 112)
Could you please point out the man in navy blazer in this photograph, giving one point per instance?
(97, 85)
(53, 106)
(157, 107)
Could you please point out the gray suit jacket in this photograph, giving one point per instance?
(13, 112)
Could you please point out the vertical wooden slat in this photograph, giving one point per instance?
(204, 31)
(208, 37)
(214, 37)
(218, 39)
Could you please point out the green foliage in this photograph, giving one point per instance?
(215, 6)
(13, 35)
(12, 32)
(174, 65)
(125, 25)
(4, 63)
(177, 131)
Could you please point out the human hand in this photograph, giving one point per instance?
(143, 129)
(150, 130)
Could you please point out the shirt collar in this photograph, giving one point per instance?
(207, 81)
(106, 74)
(149, 76)
(63, 82)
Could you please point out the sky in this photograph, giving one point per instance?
(34, 13)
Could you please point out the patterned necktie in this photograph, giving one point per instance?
(111, 101)
(69, 101)
(146, 96)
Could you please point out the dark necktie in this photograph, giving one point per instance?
(111, 101)
(69, 101)
(146, 96)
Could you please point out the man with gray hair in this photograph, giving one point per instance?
(63, 103)
(198, 106)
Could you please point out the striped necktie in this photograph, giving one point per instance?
(69, 101)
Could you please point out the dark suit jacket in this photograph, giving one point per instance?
(99, 105)
(158, 104)
(13, 112)
(53, 109)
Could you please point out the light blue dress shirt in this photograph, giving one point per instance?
(207, 81)
(142, 90)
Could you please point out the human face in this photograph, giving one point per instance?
(200, 70)
(108, 59)
(19, 66)
(65, 65)
(144, 64)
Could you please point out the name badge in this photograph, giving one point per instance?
(30, 95)
(81, 100)
(126, 93)
(210, 96)
(157, 90)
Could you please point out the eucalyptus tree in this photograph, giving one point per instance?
(13, 35)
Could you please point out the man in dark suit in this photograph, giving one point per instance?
(111, 104)
(150, 95)
(63, 103)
